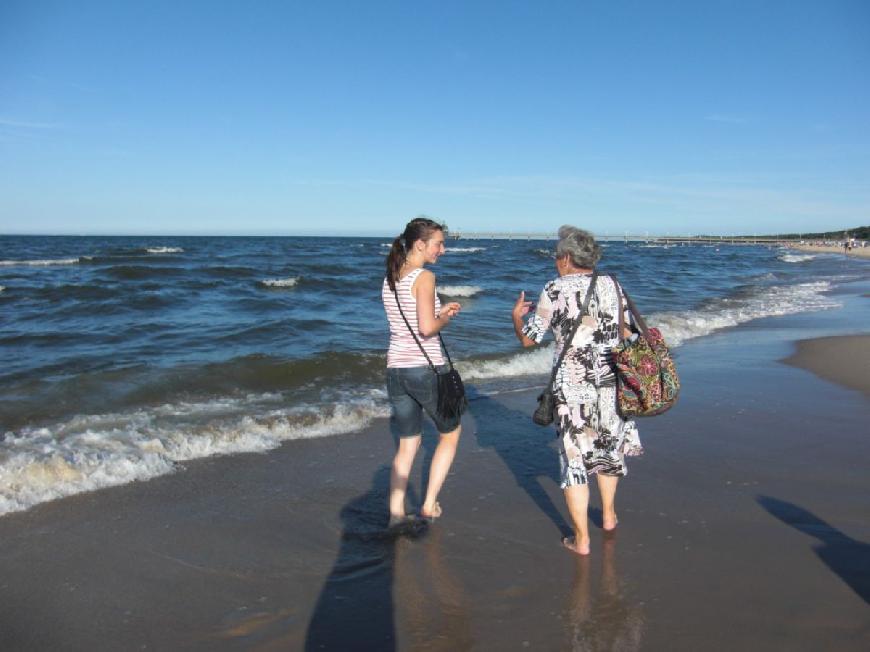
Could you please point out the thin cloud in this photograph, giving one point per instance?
(727, 119)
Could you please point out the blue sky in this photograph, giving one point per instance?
(352, 117)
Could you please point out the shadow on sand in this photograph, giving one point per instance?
(846, 557)
(355, 609)
(524, 449)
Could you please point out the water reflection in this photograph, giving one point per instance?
(431, 604)
(600, 614)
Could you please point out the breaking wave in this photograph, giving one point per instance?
(281, 282)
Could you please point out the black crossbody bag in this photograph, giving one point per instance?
(544, 414)
(452, 401)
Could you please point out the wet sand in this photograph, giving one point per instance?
(844, 359)
(744, 526)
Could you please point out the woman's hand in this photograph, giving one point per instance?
(521, 307)
(450, 310)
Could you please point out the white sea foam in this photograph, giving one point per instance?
(94, 451)
(795, 258)
(463, 250)
(459, 290)
(2, 287)
(526, 363)
(678, 327)
(280, 282)
(165, 250)
(39, 263)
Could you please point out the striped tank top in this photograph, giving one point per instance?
(403, 351)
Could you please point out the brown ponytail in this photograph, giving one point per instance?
(395, 260)
(420, 228)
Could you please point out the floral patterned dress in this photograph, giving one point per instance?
(592, 436)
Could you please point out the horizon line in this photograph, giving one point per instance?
(471, 235)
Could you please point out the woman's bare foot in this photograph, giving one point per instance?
(431, 514)
(571, 544)
(609, 523)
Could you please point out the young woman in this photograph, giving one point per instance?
(593, 437)
(411, 384)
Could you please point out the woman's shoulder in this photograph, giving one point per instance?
(412, 276)
(553, 288)
(420, 278)
(423, 275)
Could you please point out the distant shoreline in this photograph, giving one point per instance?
(858, 252)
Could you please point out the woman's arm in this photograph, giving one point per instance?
(424, 293)
(521, 309)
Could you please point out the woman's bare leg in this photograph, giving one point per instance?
(577, 497)
(402, 463)
(441, 461)
(607, 487)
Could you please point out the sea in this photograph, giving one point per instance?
(121, 358)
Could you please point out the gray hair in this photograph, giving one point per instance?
(579, 245)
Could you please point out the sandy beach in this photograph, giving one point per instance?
(857, 252)
(844, 359)
(744, 526)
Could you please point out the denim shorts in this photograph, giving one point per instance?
(413, 390)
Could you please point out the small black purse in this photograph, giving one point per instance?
(452, 401)
(451, 393)
(545, 413)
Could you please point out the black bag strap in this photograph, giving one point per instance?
(632, 308)
(573, 332)
(414, 335)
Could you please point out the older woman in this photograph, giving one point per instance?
(593, 437)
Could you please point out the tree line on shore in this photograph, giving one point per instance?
(859, 233)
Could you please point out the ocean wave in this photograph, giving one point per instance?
(92, 452)
(139, 272)
(795, 258)
(463, 250)
(42, 263)
(228, 271)
(114, 390)
(537, 361)
(774, 301)
(459, 290)
(164, 250)
(2, 288)
(281, 282)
